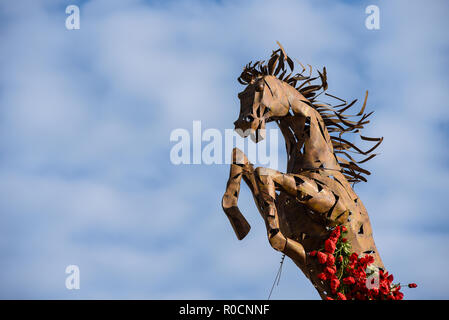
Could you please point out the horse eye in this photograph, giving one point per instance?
(259, 86)
(249, 118)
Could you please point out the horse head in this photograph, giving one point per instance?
(265, 99)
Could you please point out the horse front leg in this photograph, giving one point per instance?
(240, 167)
(266, 179)
(262, 185)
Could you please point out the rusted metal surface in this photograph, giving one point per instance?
(299, 207)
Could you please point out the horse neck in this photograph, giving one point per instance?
(307, 142)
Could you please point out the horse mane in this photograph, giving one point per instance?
(337, 123)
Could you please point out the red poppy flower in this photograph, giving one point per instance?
(354, 256)
(330, 260)
(335, 283)
(369, 259)
(390, 278)
(341, 296)
(349, 280)
(330, 270)
(374, 292)
(399, 295)
(322, 276)
(384, 288)
(322, 257)
(335, 234)
(329, 246)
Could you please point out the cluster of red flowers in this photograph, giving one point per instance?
(351, 276)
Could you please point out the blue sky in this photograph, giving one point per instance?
(85, 121)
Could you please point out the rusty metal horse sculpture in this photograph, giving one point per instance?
(301, 206)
